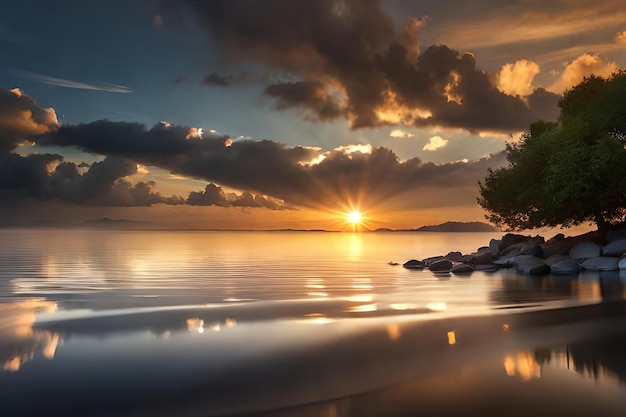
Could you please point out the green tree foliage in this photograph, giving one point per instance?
(569, 172)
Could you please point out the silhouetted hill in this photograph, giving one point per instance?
(459, 227)
(108, 223)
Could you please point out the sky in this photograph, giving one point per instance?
(250, 114)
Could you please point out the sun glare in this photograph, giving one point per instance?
(355, 217)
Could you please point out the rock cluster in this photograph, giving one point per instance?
(533, 255)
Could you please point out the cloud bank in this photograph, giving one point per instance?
(301, 176)
(349, 61)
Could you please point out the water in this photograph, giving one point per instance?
(295, 323)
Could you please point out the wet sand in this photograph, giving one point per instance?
(507, 361)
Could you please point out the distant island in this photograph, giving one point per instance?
(450, 227)
(108, 223)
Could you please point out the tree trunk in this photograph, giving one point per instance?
(603, 225)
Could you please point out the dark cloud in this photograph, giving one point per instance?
(217, 80)
(351, 47)
(268, 168)
(214, 195)
(228, 80)
(47, 177)
(310, 95)
(21, 118)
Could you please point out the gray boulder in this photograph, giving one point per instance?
(615, 247)
(432, 259)
(531, 265)
(454, 256)
(481, 258)
(532, 247)
(621, 263)
(440, 265)
(414, 264)
(558, 258)
(601, 263)
(512, 250)
(511, 239)
(494, 246)
(462, 269)
(565, 267)
(585, 250)
(558, 246)
(487, 268)
(504, 261)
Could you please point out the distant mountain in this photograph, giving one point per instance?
(108, 223)
(459, 227)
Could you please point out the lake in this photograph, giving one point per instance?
(205, 323)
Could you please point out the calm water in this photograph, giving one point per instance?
(146, 323)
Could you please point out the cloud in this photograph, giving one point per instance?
(620, 38)
(214, 195)
(223, 80)
(60, 82)
(517, 79)
(434, 143)
(583, 66)
(21, 118)
(493, 23)
(399, 133)
(369, 176)
(355, 65)
(47, 177)
(308, 95)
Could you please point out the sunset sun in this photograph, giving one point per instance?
(355, 217)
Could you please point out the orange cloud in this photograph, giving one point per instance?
(434, 143)
(583, 66)
(21, 118)
(516, 79)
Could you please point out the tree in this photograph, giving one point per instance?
(569, 172)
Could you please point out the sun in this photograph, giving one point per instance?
(355, 217)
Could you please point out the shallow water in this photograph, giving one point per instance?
(295, 323)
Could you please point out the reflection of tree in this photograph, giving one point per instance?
(19, 342)
(519, 289)
(594, 358)
(611, 286)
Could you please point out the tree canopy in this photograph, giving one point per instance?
(567, 172)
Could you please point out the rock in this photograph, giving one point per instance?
(440, 265)
(556, 238)
(454, 256)
(532, 247)
(565, 267)
(481, 258)
(563, 246)
(615, 247)
(558, 258)
(432, 259)
(621, 263)
(585, 250)
(414, 264)
(487, 268)
(505, 261)
(511, 239)
(601, 263)
(531, 265)
(463, 269)
(512, 250)
(494, 246)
